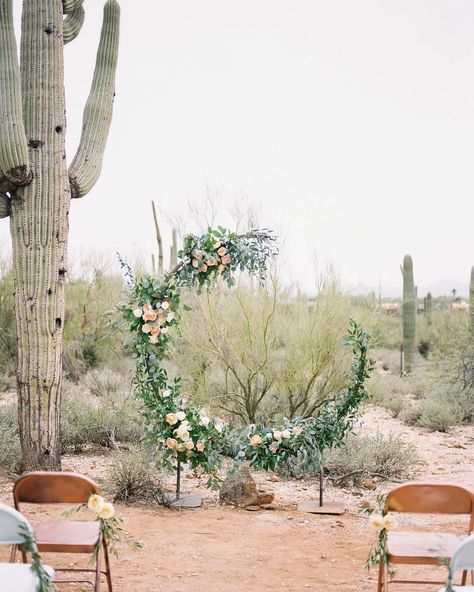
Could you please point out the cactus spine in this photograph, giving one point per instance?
(409, 313)
(429, 308)
(471, 302)
(35, 192)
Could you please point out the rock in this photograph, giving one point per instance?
(369, 484)
(253, 508)
(274, 478)
(268, 507)
(365, 504)
(240, 490)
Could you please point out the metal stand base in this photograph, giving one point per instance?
(313, 507)
(192, 500)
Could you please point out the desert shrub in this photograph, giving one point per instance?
(379, 456)
(7, 328)
(409, 414)
(440, 411)
(133, 477)
(104, 420)
(10, 453)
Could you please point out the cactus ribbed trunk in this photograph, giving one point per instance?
(35, 192)
(39, 229)
(409, 313)
(471, 302)
(429, 308)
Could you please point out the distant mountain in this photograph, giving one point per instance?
(441, 288)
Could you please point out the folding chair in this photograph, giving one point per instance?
(424, 548)
(16, 577)
(64, 536)
(463, 558)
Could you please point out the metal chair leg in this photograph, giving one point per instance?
(380, 579)
(107, 565)
(97, 573)
(13, 553)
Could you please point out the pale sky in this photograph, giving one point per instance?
(349, 122)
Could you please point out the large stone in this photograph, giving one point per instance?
(240, 489)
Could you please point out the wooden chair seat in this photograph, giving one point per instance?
(423, 548)
(66, 536)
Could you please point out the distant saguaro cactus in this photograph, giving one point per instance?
(35, 191)
(471, 302)
(429, 308)
(409, 313)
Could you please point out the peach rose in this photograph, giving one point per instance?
(150, 315)
(107, 511)
(203, 268)
(155, 330)
(200, 446)
(222, 251)
(226, 260)
(211, 261)
(153, 339)
(198, 255)
(171, 418)
(96, 503)
(255, 440)
(146, 328)
(171, 443)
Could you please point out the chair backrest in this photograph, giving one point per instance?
(430, 498)
(42, 487)
(11, 523)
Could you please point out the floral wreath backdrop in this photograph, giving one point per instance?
(184, 430)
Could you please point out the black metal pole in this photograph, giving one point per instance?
(321, 479)
(178, 480)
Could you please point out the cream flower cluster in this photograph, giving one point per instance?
(277, 436)
(202, 261)
(182, 440)
(380, 522)
(156, 320)
(103, 509)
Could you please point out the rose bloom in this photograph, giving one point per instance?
(181, 415)
(107, 511)
(204, 420)
(211, 262)
(171, 443)
(146, 328)
(217, 245)
(165, 305)
(150, 315)
(222, 251)
(297, 430)
(273, 447)
(200, 446)
(166, 393)
(198, 255)
(183, 435)
(195, 263)
(170, 316)
(377, 522)
(164, 330)
(225, 260)
(255, 440)
(219, 424)
(389, 522)
(155, 330)
(221, 267)
(203, 268)
(286, 434)
(189, 444)
(153, 339)
(277, 435)
(96, 503)
(171, 418)
(137, 313)
(147, 307)
(181, 447)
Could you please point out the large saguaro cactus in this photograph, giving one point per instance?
(409, 313)
(35, 192)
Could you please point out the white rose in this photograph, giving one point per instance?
(204, 420)
(170, 316)
(190, 444)
(297, 430)
(182, 435)
(277, 435)
(286, 434)
(219, 424)
(146, 328)
(153, 338)
(165, 305)
(166, 393)
(181, 415)
(137, 313)
(164, 329)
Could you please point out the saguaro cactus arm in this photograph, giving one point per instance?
(14, 161)
(73, 23)
(87, 163)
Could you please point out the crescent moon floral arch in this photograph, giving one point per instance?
(184, 430)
